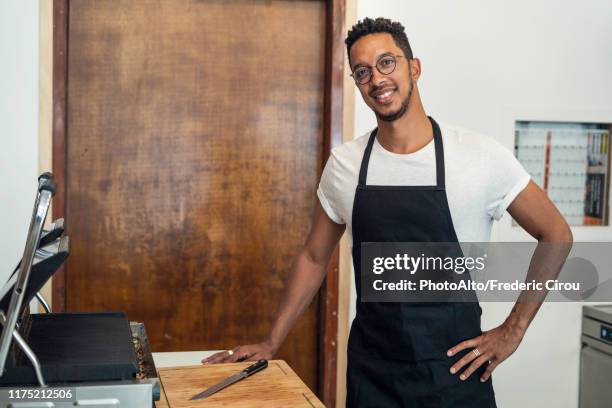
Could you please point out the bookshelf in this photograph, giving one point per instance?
(571, 163)
(572, 196)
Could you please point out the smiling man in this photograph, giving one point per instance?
(412, 180)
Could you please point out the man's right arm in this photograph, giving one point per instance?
(308, 272)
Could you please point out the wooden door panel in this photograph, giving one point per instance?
(194, 145)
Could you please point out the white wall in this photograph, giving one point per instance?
(18, 126)
(480, 59)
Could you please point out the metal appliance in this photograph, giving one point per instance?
(596, 357)
(100, 359)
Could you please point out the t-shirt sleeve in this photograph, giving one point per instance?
(328, 192)
(506, 179)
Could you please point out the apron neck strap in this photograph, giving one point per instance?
(437, 136)
(363, 172)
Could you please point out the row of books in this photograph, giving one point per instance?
(597, 149)
(595, 198)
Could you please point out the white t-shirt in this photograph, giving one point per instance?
(482, 178)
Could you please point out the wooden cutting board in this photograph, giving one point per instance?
(275, 387)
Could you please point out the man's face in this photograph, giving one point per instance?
(387, 95)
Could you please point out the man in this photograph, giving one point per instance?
(411, 180)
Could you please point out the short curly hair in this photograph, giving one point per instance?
(378, 25)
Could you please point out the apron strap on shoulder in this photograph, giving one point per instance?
(437, 135)
(363, 172)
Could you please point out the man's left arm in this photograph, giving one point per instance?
(532, 210)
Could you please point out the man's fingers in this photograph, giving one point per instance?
(245, 356)
(487, 374)
(463, 345)
(220, 357)
(474, 366)
(213, 358)
(238, 354)
(463, 361)
(232, 355)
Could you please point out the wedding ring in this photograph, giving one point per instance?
(476, 352)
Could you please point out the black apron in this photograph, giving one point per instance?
(397, 351)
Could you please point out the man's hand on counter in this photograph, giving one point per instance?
(260, 351)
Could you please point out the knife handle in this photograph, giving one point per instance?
(258, 366)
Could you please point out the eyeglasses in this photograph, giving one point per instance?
(385, 65)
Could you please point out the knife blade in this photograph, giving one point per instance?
(250, 370)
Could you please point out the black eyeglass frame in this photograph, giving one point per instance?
(395, 57)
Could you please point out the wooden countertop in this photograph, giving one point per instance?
(275, 387)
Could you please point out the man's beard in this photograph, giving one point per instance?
(390, 117)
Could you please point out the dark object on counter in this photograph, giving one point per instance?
(75, 347)
(250, 370)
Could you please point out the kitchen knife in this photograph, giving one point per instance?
(250, 370)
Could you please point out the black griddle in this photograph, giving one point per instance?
(73, 347)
